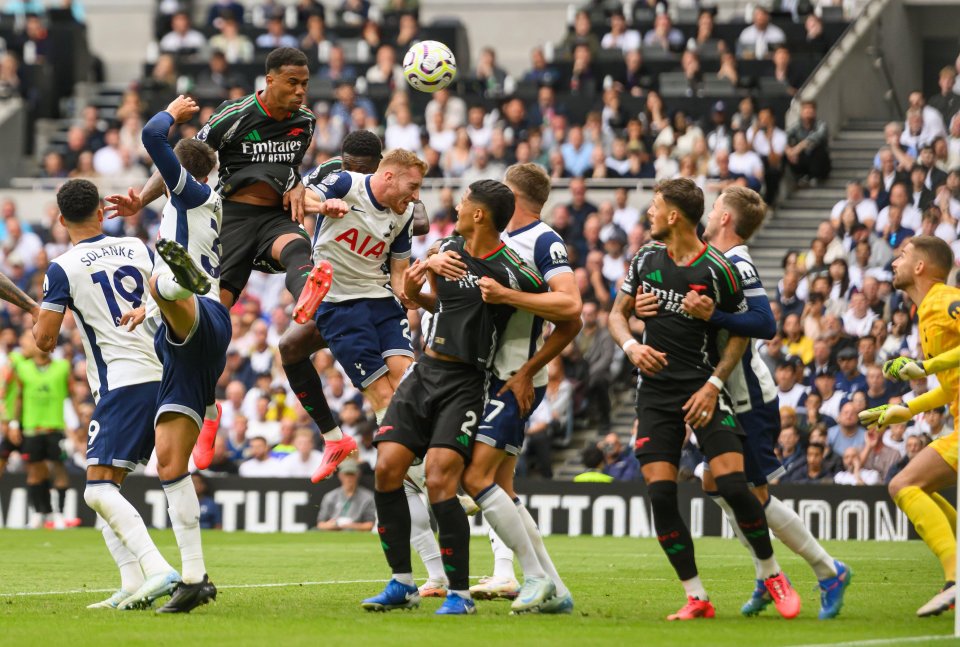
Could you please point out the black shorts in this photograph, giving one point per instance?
(438, 404)
(661, 429)
(42, 447)
(247, 233)
(7, 448)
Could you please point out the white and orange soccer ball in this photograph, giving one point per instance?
(429, 66)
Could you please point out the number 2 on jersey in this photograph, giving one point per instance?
(110, 292)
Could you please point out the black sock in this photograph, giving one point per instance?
(454, 538)
(35, 494)
(44, 497)
(305, 382)
(748, 512)
(393, 524)
(62, 496)
(672, 532)
(296, 260)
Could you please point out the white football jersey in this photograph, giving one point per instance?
(196, 228)
(100, 279)
(539, 246)
(360, 244)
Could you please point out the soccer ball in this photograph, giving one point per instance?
(429, 66)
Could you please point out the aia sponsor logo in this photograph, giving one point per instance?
(366, 247)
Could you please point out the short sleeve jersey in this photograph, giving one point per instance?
(463, 325)
(100, 279)
(253, 146)
(690, 344)
(359, 243)
(939, 315)
(540, 248)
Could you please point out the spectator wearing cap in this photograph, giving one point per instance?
(847, 433)
(849, 377)
(303, 462)
(807, 147)
(760, 38)
(592, 458)
(824, 381)
(854, 473)
(791, 392)
(260, 464)
(350, 506)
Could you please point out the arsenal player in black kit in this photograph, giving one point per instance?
(682, 383)
(435, 410)
(260, 140)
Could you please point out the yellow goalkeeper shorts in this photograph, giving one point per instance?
(947, 448)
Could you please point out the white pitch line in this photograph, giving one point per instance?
(882, 641)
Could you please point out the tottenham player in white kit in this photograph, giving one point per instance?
(364, 232)
(103, 281)
(737, 213)
(517, 387)
(192, 332)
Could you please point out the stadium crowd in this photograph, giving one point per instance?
(597, 104)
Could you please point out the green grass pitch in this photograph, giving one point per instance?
(284, 590)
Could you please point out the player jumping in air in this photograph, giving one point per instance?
(520, 363)
(737, 213)
(365, 232)
(102, 281)
(682, 383)
(436, 410)
(921, 271)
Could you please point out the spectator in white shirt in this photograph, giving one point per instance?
(743, 160)
(899, 197)
(916, 133)
(403, 133)
(441, 137)
(761, 38)
(859, 318)
(182, 36)
(303, 462)
(386, 69)
(853, 473)
(260, 464)
(625, 216)
(21, 244)
(865, 208)
(932, 119)
(664, 35)
(619, 36)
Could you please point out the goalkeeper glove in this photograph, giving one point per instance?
(884, 415)
(903, 369)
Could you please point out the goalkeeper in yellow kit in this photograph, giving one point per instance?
(920, 271)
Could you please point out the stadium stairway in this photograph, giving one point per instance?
(794, 222)
(566, 461)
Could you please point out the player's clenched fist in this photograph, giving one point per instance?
(649, 360)
(903, 369)
(333, 208)
(182, 109)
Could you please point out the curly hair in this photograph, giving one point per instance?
(78, 200)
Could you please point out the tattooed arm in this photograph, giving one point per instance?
(12, 294)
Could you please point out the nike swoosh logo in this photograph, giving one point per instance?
(356, 208)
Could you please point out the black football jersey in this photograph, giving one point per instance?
(690, 344)
(463, 325)
(255, 147)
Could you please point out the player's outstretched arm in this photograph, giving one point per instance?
(561, 303)
(14, 295)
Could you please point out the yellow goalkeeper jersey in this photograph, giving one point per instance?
(939, 315)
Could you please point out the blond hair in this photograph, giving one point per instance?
(404, 159)
(530, 182)
(747, 207)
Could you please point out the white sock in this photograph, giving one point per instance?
(463, 594)
(720, 501)
(769, 567)
(502, 557)
(184, 510)
(534, 533)
(333, 434)
(210, 413)
(131, 575)
(788, 528)
(694, 588)
(127, 525)
(422, 538)
(501, 513)
(379, 414)
(170, 290)
(404, 578)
